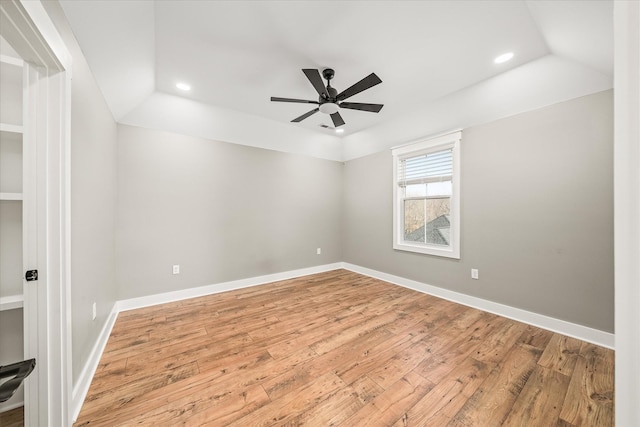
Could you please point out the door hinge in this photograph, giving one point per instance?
(31, 275)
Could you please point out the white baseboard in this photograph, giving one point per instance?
(81, 387)
(595, 336)
(146, 301)
(4, 407)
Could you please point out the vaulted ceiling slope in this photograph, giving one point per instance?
(435, 59)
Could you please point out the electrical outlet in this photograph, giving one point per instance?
(176, 269)
(474, 273)
(318, 251)
(94, 313)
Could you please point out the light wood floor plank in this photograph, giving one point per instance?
(293, 404)
(323, 364)
(393, 403)
(493, 400)
(589, 399)
(449, 395)
(540, 400)
(12, 418)
(342, 349)
(561, 354)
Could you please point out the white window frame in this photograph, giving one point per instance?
(440, 143)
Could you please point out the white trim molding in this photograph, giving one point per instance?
(626, 208)
(81, 387)
(146, 301)
(563, 327)
(13, 405)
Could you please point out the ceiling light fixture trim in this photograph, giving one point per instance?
(503, 58)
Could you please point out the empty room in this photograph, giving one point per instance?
(319, 213)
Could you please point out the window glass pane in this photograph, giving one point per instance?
(430, 189)
(414, 214)
(427, 221)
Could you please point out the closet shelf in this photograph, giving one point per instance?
(6, 127)
(10, 196)
(5, 59)
(11, 302)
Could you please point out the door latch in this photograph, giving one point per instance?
(31, 275)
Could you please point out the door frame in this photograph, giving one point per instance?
(627, 210)
(46, 187)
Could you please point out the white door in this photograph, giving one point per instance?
(11, 220)
(27, 28)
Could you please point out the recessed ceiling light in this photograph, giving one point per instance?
(183, 86)
(339, 130)
(503, 58)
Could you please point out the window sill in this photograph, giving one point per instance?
(428, 250)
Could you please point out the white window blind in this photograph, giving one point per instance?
(426, 168)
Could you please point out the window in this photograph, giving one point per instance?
(426, 196)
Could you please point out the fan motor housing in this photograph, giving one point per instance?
(332, 96)
(328, 73)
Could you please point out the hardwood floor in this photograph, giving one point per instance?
(342, 349)
(12, 418)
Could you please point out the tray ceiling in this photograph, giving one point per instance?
(435, 59)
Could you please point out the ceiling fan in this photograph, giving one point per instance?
(329, 100)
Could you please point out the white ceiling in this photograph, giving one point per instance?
(435, 59)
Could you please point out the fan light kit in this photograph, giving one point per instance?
(329, 100)
(329, 108)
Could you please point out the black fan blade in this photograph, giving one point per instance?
(301, 101)
(364, 84)
(305, 115)
(374, 108)
(337, 119)
(314, 77)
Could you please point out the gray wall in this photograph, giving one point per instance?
(537, 214)
(93, 199)
(221, 211)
